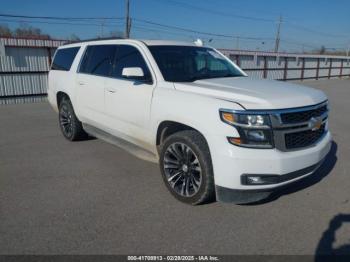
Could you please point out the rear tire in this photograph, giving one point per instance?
(186, 167)
(71, 127)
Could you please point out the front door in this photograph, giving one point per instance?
(128, 101)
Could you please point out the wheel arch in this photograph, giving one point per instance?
(167, 128)
(60, 96)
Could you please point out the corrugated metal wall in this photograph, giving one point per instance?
(285, 66)
(24, 64)
(24, 59)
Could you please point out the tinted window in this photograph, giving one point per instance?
(98, 60)
(64, 58)
(129, 56)
(190, 63)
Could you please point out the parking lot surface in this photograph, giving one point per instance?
(58, 197)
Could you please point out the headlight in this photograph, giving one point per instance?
(254, 129)
(246, 120)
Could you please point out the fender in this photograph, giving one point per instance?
(187, 108)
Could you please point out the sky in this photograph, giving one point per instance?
(247, 24)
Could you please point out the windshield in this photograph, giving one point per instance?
(191, 63)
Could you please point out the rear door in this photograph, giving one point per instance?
(127, 100)
(96, 65)
(60, 77)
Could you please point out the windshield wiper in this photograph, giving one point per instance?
(228, 75)
(195, 78)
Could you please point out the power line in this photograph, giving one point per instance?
(83, 21)
(111, 24)
(303, 28)
(232, 15)
(198, 32)
(55, 23)
(60, 17)
(191, 36)
(185, 5)
(157, 31)
(292, 42)
(193, 7)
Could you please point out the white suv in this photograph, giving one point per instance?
(214, 131)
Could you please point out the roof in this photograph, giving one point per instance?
(123, 40)
(167, 42)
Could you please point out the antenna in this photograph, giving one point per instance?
(199, 42)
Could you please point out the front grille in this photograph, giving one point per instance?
(303, 116)
(303, 138)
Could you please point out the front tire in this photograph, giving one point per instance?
(186, 167)
(70, 125)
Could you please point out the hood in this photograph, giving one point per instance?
(255, 94)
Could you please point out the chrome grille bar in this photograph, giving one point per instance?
(280, 129)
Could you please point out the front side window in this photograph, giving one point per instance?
(129, 56)
(64, 58)
(191, 63)
(98, 60)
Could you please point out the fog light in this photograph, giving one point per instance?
(254, 180)
(259, 179)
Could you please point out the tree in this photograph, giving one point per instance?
(29, 31)
(73, 38)
(323, 50)
(5, 31)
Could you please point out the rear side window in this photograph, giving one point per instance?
(98, 60)
(64, 58)
(129, 56)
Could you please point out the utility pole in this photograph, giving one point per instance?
(237, 43)
(128, 20)
(278, 35)
(102, 28)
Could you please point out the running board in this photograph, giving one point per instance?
(121, 143)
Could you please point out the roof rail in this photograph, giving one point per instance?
(93, 39)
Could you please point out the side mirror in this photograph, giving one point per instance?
(133, 73)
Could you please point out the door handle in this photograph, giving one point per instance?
(111, 91)
(81, 83)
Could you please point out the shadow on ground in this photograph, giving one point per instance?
(325, 250)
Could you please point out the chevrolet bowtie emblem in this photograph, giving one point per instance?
(315, 123)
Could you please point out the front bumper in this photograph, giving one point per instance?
(228, 195)
(230, 163)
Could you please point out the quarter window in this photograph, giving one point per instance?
(64, 58)
(98, 60)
